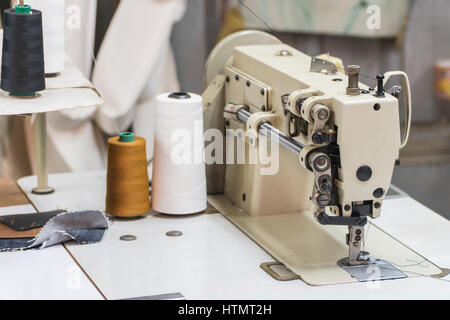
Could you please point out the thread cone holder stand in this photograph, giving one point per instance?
(70, 90)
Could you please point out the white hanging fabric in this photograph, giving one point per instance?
(134, 64)
(53, 25)
(80, 33)
(73, 143)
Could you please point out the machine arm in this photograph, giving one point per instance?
(267, 130)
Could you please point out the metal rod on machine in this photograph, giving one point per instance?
(271, 132)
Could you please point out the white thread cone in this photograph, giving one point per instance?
(179, 179)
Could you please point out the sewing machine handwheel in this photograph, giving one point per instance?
(224, 49)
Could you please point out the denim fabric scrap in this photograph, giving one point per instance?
(87, 236)
(82, 226)
(14, 244)
(55, 231)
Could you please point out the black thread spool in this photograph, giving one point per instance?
(23, 52)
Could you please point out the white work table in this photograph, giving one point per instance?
(213, 259)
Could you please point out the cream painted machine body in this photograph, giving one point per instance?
(280, 86)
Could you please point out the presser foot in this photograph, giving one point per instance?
(362, 259)
(355, 238)
(371, 270)
(360, 265)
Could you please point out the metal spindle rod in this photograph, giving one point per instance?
(41, 155)
(273, 133)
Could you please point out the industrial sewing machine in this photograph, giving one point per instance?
(339, 139)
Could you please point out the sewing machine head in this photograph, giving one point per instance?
(339, 138)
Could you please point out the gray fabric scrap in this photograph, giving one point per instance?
(83, 226)
(58, 226)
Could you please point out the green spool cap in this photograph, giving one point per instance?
(126, 137)
(23, 94)
(23, 9)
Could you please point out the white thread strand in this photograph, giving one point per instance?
(53, 25)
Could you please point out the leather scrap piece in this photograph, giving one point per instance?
(8, 233)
